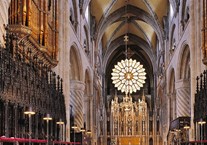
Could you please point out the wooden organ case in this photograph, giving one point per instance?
(36, 23)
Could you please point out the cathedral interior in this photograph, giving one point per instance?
(103, 72)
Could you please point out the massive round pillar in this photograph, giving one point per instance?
(76, 95)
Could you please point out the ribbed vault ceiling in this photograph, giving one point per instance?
(145, 24)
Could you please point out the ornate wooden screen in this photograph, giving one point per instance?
(200, 108)
(25, 81)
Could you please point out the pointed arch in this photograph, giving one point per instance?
(184, 62)
(183, 83)
(171, 85)
(88, 82)
(75, 64)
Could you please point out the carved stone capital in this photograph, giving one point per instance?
(183, 83)
(77, 85)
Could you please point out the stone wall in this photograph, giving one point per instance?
(4, 5)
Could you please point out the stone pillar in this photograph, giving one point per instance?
(89, 116)
(76, 97)
(195, 53)
(183, 100)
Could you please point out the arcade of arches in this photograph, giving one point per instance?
(57, 59)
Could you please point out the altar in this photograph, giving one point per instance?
(128, 141)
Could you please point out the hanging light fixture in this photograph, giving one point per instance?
(128, 75)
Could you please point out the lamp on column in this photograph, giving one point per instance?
(29, 112)
(47, 118)
(201, 123)
(82, 129)
(89, 134)
(60, 123)
(186, 128)
(74, 127)
(89, 131)
(187, 123)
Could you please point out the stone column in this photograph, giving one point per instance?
(89, 116)
(183, 100)
(76, 97)
(195, 54)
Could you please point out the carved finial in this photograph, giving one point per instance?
(143, 96)
(197, 87)
(61, 85)
(58, 83)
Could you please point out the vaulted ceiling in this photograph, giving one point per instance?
(141, 20)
